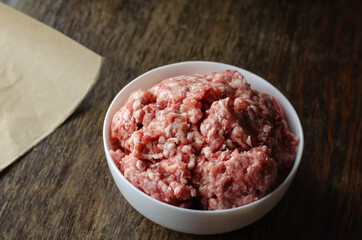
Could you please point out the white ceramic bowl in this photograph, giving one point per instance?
(199, 221)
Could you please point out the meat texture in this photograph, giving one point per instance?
(206, 138)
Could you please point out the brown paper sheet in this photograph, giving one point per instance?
(44, 75)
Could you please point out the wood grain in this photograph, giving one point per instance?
(310, 50)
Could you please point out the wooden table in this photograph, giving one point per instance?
(62, 188)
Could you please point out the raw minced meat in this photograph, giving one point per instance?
(205, 139)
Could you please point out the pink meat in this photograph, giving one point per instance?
(228, 179)
(206, 138)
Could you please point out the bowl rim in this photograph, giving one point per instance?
(282, 185)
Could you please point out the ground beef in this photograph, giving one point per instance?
(206, 139)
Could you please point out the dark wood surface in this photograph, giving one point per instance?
(310, 50)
